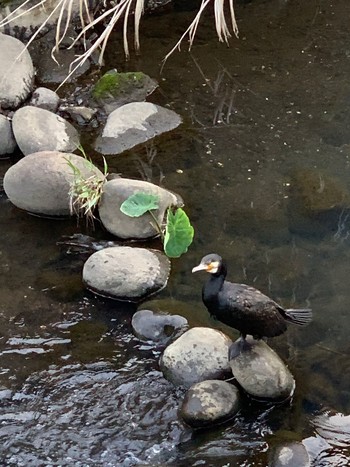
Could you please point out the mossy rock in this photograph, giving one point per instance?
(115, 89)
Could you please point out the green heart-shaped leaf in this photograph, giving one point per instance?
(178, 233)
(139, 203)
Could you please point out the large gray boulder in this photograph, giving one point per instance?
(126, 273)
(199, 354)
(7, 140)
(40, 183)
(260, 371)
(157, 327)
(133, 124)
(116, 191)
(16, 72)
(209, 402)
(38, 129)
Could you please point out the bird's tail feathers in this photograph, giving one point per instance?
(299, 316)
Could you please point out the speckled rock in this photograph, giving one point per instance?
(7, 140)
(290, 455)
(157, 327)
(199, 354)
(116, 191)
(209, 402)
(40, 182)
(133, 124)
(38, 129)
(126, 273)
(16, 72)
(260, 371)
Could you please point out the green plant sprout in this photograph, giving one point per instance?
(177, 234)
(85, 192)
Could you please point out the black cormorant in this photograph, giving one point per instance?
(243, 307)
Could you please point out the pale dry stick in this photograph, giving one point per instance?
(125, 32)
(59, 39)
(220, 22)
(82, 58)
(139, 8)
(41, 27)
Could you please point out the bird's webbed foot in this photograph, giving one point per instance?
(238, 347)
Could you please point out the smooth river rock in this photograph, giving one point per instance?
(126, 273)
(199, 354)
(16, 72)
(116, 191)
(209, 402)
(133, 124)
(38, 129)
(260, 371)
(7, 140)
(45, 98)
(157, 327)
(40, 183)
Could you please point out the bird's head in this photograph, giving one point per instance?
(210, 263)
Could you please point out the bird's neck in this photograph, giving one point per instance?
(214, 285)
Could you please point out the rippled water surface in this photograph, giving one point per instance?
(262, 162)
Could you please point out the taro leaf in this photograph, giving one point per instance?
(178, 233)
(139, 203)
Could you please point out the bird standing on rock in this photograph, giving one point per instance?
(243, 307)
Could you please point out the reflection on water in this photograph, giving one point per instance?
(262, 162)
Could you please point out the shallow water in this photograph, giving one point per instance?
(262, 161)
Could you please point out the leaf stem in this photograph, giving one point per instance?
(158, 226)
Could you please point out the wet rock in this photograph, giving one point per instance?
(199, 354)
(7, 140)
(39, 183)
(78, 113)
(45, 99)
(133, 124)
(115, 89)
(209, 402)
(16, 72)
(125, 273)
(148, 325)
(116, 191)
(37, 130)
(260, 371)
(290, 455)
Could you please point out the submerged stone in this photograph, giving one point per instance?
(260, 371)
(156, 326)
(209, 402)
(126, 273)
(199, 354)
(290, 455)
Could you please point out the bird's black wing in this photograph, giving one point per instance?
(250, 311)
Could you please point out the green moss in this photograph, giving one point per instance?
(113, 84)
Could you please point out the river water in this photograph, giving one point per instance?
(262, 162)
